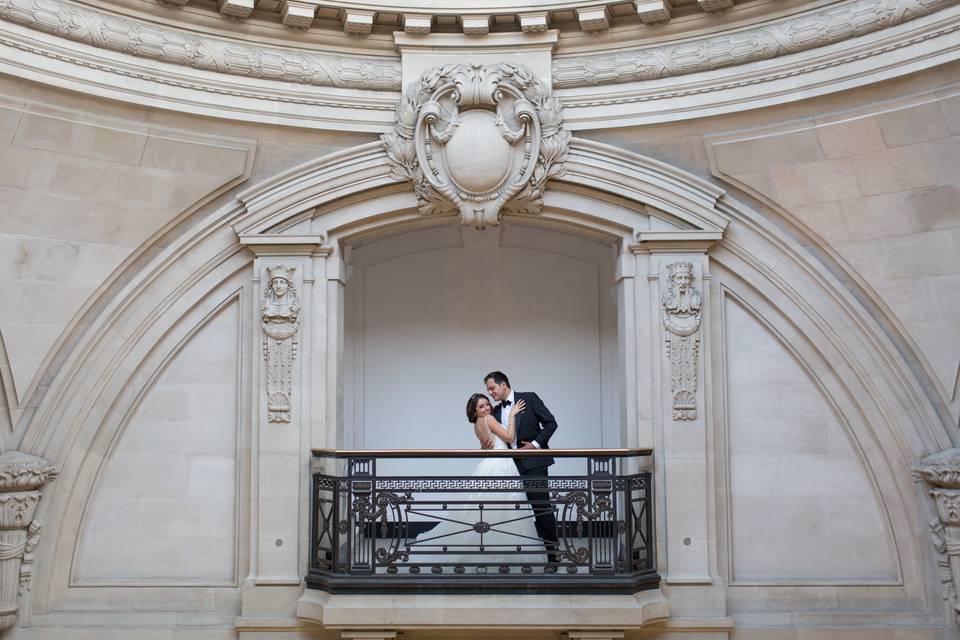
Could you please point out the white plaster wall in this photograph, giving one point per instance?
(434, 321)
(165, 505)
(802, 505)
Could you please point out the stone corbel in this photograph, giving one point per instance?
(22, 477)
(941, 471)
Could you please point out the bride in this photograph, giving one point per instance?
(500, 533)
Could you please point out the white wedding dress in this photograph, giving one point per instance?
(504, 529)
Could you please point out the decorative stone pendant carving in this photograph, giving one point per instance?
(280, 320)
(22, 476)
(681, 318)
(478, 139)
(942, 472)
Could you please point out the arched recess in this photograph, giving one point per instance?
(649, 213)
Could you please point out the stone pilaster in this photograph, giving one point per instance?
(942, 472)
(22, 478)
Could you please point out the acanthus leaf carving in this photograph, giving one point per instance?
(479, 140)
(681, 307)
(279, 321)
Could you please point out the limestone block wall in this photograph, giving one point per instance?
(81, 194)
(803, 507)
(165, 506)
(878, 184)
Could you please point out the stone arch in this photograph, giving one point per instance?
(653, 213)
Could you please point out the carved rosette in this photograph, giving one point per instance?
(280, 321)
(681, 318)
(942, 472)
(22, 476)
(478, 139)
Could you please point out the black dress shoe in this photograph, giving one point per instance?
(550, 568)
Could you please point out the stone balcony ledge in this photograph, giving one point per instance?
(513, 611)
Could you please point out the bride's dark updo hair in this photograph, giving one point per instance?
(472, 406)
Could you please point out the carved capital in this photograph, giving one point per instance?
(22, 476)
(478, 139)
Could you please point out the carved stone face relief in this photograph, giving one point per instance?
(477, 140)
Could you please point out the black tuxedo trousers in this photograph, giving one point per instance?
(536, 424)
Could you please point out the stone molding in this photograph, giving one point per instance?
(808, 31)
(456, 109)
(909, 47)
(93, 52)
(170, 45)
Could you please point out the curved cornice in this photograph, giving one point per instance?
(174, 46)
(801, 33)
(822, 51)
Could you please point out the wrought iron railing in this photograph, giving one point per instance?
(406, 531)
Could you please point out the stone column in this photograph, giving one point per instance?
(22, 476)
(942, 472)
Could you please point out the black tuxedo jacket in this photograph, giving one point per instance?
(534, 424)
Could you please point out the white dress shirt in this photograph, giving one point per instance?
(505, 420)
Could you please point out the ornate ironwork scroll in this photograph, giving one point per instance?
(681, 304)
(280, 320)
(377, 532)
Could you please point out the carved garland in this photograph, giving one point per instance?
(146, 40)
(478, 139)
(681, 304)
(802, 33)
(279, 320)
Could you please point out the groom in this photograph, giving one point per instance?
(535, 425)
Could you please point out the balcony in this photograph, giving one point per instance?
(382, 523)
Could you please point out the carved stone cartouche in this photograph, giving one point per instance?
(22, 476)
(478, 139)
